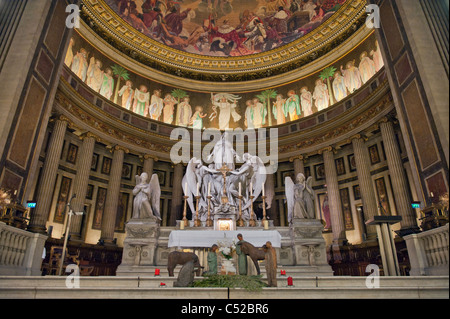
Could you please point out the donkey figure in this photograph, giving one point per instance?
(254, 253)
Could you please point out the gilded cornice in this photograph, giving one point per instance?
(116, 32)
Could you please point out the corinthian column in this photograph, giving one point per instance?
(48, 177)
(334, 198)
(81, 182)
(299, 165)
(365, 183)
(149, 162)
(400, 184)
(112, 195)
(177, 195)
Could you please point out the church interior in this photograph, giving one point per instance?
(346, 101)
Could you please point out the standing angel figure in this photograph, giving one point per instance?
(252, 176)
(194, 178)
(300, 198)
(147, 197)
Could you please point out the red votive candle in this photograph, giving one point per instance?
(162, 284)
(290, 281)
(157, 272)
(283, 272)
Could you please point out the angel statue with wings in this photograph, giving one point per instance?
(147, 197)
(199, 178)
(252, 176)
(300, 198)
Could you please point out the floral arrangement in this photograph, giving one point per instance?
(227, 249)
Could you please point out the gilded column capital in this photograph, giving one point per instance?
(148, 156)
(90, 135)
(114, 148)
(359, 136)
(327, 149)
(300, 157)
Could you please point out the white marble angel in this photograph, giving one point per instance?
(253, 177)
(147, 197)
(193, 185)
(300, 198)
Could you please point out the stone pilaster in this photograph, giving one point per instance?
(365, 183)
(49, 171)
(398, 176)
(334, 198)
(112, 195)
(81, 182)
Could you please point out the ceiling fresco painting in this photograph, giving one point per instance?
(225, 28)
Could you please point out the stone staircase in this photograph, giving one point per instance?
(149, 287)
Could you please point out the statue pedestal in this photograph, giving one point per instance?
(139, 246)
(310, 247)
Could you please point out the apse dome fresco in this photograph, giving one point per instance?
(225, 28)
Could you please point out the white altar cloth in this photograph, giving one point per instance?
(207, 238)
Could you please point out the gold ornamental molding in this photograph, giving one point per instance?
(109, 26)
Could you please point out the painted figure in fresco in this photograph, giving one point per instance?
(69, 55)
(249, 115)
(80, 64)
(127, 94)
(107, 87)
(141, 100)
(306, 101)
(292, 106)
(227, 104)
(352, 76)
(174, 19)
(185, 112)
(197, 118)
(169, 108)
(321, 95)
(278, 112)
(259, 113)
(339, 88)
(156, 105)
(377, 57)
(94, 78)
(366, 67)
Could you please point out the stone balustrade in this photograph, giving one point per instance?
(20, 251)
(428, 252)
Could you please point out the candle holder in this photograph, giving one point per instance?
(252, 221)
(209, 221)
(264, 208)
(197, 222)
(240, 221)
(185, 221)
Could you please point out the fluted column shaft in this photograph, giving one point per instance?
(48, 177)
(149, 162)
(398, 176)
(112, 196)
(299, 166)
(177, 195)
(365, 183)
(81, 182)
(334, 198)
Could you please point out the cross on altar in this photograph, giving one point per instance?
(224, 170)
